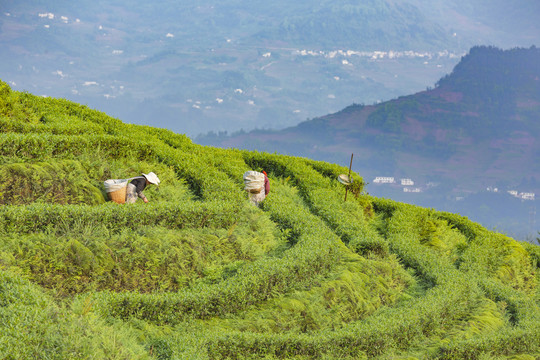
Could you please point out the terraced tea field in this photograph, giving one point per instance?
(200, 273)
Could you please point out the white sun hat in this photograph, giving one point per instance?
(152, 178)
(345, 179)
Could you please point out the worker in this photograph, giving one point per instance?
(136, 186)
(256, 185)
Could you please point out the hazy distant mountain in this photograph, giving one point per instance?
(491, 94)
(477, 129)
(487, 21)
(198, 66)
(369, 25)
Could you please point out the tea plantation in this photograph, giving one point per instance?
(200, 273)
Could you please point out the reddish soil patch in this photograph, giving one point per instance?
(354, 120)
(450, 96)
(414, 129)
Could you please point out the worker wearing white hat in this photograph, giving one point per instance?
(136, 186)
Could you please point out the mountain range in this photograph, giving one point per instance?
(477, 129)
(202, 66)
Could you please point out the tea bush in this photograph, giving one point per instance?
(200, 273)
(33, 326)
(62, 182)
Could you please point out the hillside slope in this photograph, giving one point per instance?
(477, 128)
(199, 273)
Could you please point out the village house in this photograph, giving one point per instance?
(407, 182)
(384, 180)
(412, 190)
(522, 195)
(526, 196)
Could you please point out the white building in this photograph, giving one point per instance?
(526, 196)
(522, 195)
(384, 180)
(412, 190)
(407, 182)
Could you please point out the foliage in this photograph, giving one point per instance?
(63, 182)
(36, 327)
(200, 273)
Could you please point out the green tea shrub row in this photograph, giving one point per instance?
(205, 180)
(67, 126)
(33, 326)
(60, 116)
(40, 108)
(177, 141)
(78, 257)
(520, 341)
(328, 169)
(231, 162)
(188, 214)
(534, 253)
(13, 106)
(403, 234)
(497, 256)
(42, 147)
(493, 254)
(466, 226)
(63, 182)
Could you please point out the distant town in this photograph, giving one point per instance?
(408, 186)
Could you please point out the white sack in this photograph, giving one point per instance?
(113, 185)
(253, 180)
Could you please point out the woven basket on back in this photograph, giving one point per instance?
(116, 189)
(118, 196)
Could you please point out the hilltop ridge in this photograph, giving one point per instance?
(200, 273)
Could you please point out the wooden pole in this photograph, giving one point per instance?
(347, 187)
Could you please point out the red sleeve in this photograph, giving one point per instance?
(266, 185)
